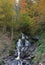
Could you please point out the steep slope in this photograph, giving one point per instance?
(40, 51)
(5, 44)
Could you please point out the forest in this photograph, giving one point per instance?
(25, 16)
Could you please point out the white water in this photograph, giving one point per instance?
(20, 47)
(19, 43)
(23, 37)
(27, 43)
(20, 62)
(12, 63)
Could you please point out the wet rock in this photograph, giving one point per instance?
(35, 39)
(16, 54)
(13, 62)
(26, 62)
(22, 52)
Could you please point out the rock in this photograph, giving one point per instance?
(22, 54)
(16, 54)
(26, 62)
(35, 39)
(13, 62)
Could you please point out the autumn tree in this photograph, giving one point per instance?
(7, 12)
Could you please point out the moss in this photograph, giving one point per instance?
(0, 61)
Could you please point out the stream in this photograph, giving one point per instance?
(23, 53)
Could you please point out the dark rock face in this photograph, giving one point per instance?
(35, 39)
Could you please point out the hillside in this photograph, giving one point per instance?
(40, 51)
(22, 16)
(5, 45)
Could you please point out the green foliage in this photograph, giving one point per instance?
(40, 51)
(24, 24)
(29, 22)
(7, 13)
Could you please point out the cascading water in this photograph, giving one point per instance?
(22, 51)
(18, 48)
(21, 47)
(23, 36)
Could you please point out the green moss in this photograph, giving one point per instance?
(0, 61)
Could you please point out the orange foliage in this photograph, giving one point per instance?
(23, 5)
(41, 7)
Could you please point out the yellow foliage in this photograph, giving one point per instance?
(41, 7)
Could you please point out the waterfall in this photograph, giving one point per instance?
(12, 63)
(18, 48)
(27, 43)
(22, 51)
(19, 62)
(23, 36)
(21, 47)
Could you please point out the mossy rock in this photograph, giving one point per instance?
(1, 61)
